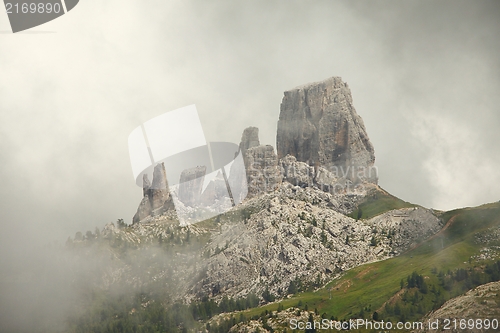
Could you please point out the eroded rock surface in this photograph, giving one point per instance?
(263, 172)
(156, 195)
(319, 125)
(249, 139)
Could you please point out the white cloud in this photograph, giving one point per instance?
(461, 172)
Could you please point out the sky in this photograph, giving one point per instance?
(424, 76)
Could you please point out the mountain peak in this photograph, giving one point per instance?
(319, 125)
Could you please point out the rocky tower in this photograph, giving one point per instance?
(261, 163)
(191, 185)
(319, 125)
(156, 198)
(249, 139)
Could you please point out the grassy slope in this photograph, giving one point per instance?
(379, 202)
(373, 284)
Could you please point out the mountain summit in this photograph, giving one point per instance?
(319, 125)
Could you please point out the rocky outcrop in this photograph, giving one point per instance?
(263, 173)
(301, 174)
(191, 185)
(238, 174)
(482, 302)
(410, 226)
(143, 211)
(327, 181)
(158, 192)
(295, 172)
(278, 321)
(298, 233)
(156, 198)
(249, 139)
(321, 141)
(319, 125)
(146, 184)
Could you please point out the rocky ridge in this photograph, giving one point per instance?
(275, 321)
(292, 236)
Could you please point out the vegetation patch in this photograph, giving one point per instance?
(378, 202)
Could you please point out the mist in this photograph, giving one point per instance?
(424, 76)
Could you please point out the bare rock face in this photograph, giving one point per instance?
(301, 174)
(158, 192)
(293, 234)
(191, 185)
(249, 139)
(156, 195)
(327, 181)
(143, 211)
(319, 125)
(239, 172)
(146, 184)
(297, 173)
(263, 172)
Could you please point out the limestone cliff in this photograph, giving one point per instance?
(319, 125)
(249, 139)
(158, 192)
(156, 198)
